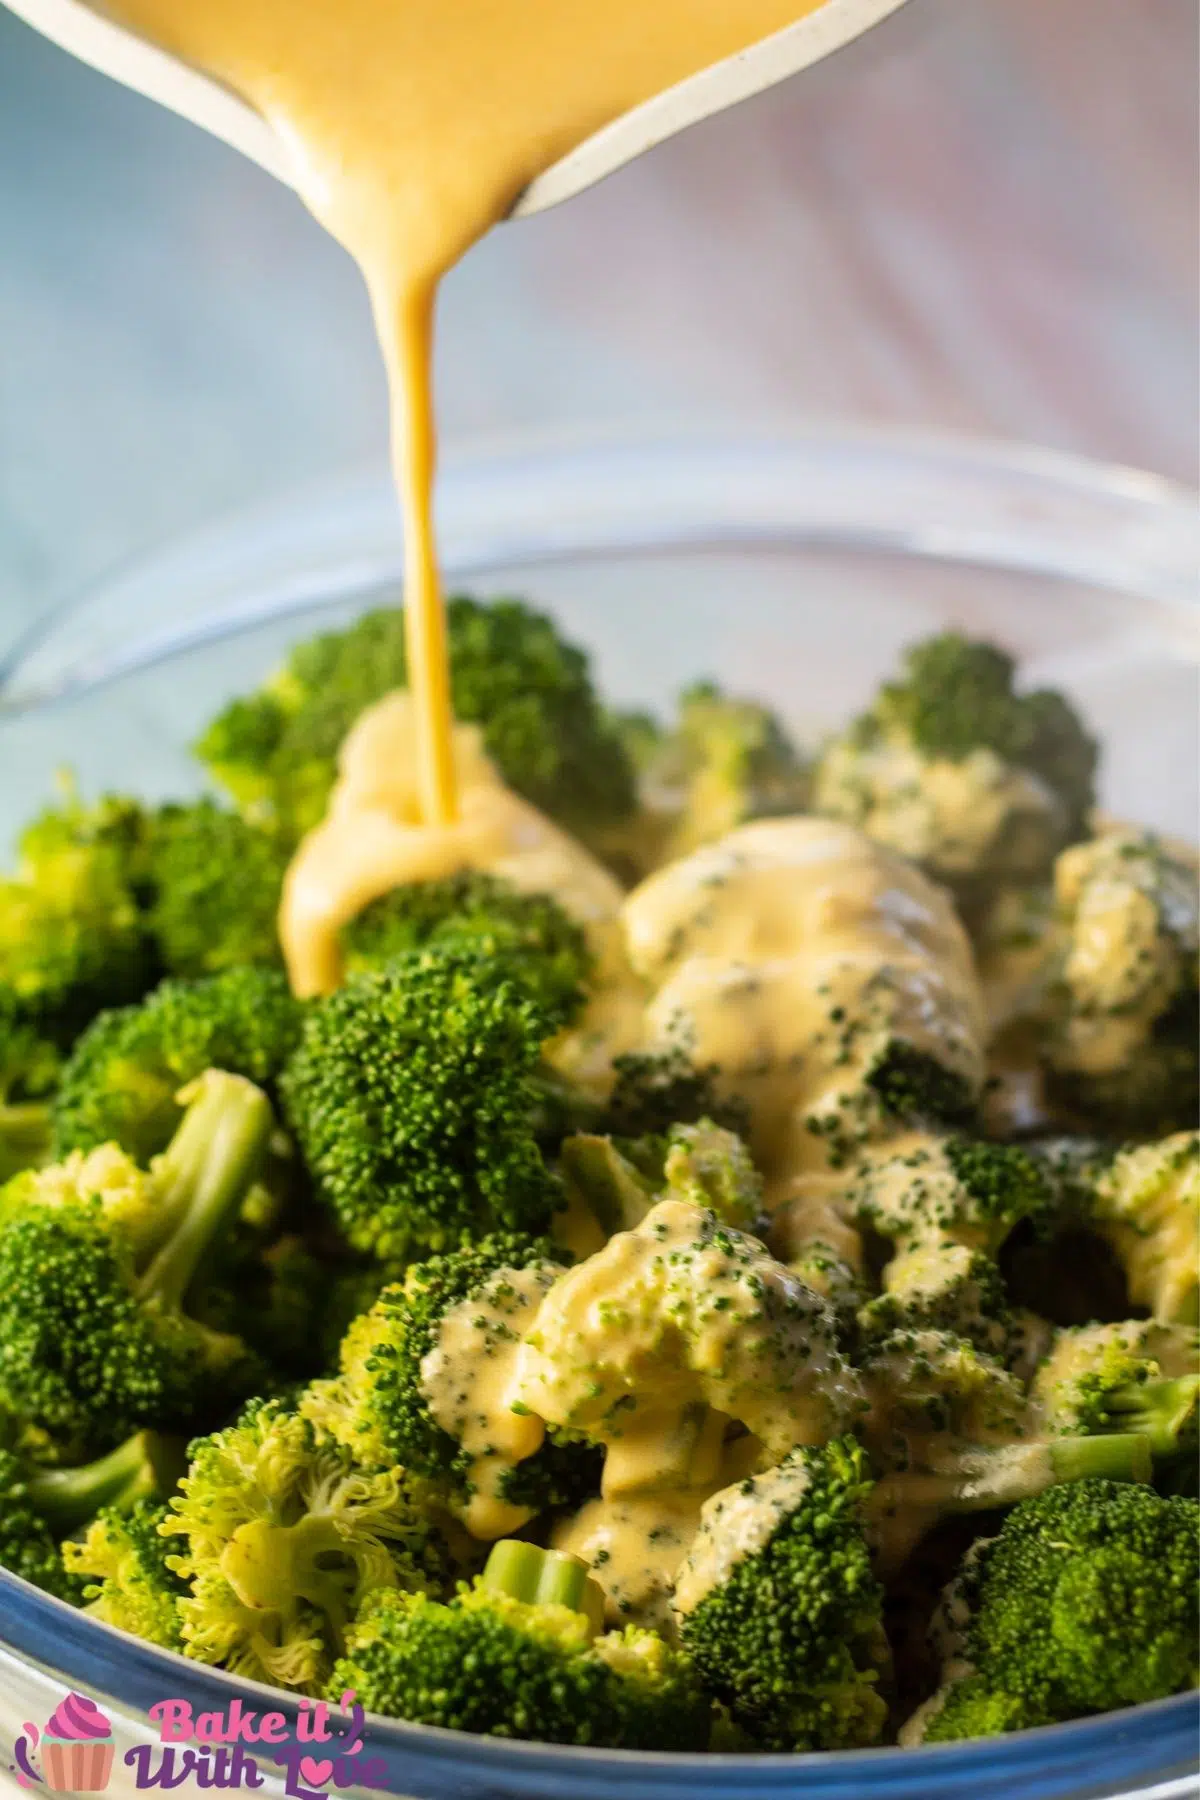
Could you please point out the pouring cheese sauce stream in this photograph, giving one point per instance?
(415, 125)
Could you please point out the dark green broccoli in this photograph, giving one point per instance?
(274, 1295)
(779, 1607)
(40, 1506)
(29, 1070)
(96, 1262)
(540, 946)
(408, 1391)
(1086, 1601)
(72, 935)
(285, 1536)
(657, 1089)
(1121, 1035)
(413, 1097)
(120, 1081)
(517, 1655)
(123, 1559)
(1132, 1376)
(953, 767)
(511, 673)
(215, 879)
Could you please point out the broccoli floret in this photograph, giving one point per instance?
(540, 946)
(39, 1506)
(947, 1205)
(930, 1393)
(72, 935)
(124, 1560)
(421, 1385)
(1124, 1009)
(121, 1080)
(655, 1342)
(779, 1607)
(29, 1069)
(510, 673)
(1086, 1601)
(414, 1101)
(517, 1655)
(216, 880)
(285, 1537)
(96, 1263)
(1146, 1204)
(1130, 1376)
(654, 1090)
(954, 768)
(272, 1295)
(725, 761)
(619, 1181)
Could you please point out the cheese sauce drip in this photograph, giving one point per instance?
(373, 839)
(413, 126)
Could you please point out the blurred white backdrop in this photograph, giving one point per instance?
(983, 217)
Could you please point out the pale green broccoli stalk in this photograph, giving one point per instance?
(411, 1392)
(97, 1260)
(511, 673)
(1131, 1376)
(215, 880)
(1146, 1204)
(414, 1099)
(954, 768)
(39, 1506)
(1086, 1601)
(779, 1607)
(284, 1539)
(517, 1655)
(653, 1344)
(540, 945)
(619, 1180)
(123, 1559)
(121, 1081)
(1123, 1014)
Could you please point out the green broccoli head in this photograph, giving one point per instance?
(39, 1506)
(778, 1606)
(123, 1560)
(539, 946)
(215, 879)
(284, 1539)
(1124, 1009)
(618, 1181)
(96, 1261)
(955, 768)
(511, 673)
(656, 1090)
(1086, 1601)
(72, 934)
(120, 1081)
(410, 1392)
(1131, 1376)
(520, 1658)
(931, 1393)
(413, 1097)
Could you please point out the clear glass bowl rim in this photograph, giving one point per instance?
(935, 497)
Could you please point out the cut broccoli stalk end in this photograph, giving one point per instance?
(1163, 1412)
(543, 1578)
(204, 1174)
(145, 1467)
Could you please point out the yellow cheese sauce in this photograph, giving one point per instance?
(413, 126)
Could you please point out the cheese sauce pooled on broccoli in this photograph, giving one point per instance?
(373, 839)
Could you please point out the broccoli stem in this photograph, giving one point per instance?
(1161, 1411)
(24, 1137)
(205, 1172)
(145, 1467)
(543, 1578)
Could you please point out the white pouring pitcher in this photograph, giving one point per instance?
(109, 47)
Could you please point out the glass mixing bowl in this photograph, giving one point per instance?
(793, 567)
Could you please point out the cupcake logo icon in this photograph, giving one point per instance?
(76, 1748)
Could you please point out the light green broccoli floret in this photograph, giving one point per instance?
(618, 1180)
(125, 1562)
(955, 768)
(1086, 1601)
(517, 1655)
(215, 880)
(285, 1536)
(1146, 1203)
(1131, 1376)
